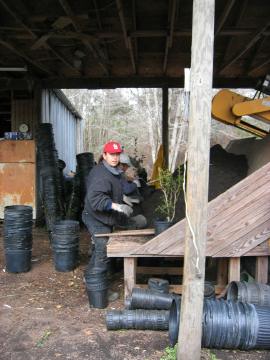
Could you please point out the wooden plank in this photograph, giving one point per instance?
(236, 199)
(128, 233)
(123, 246)
(190, 328)
(261, 250)
(234, 270)
(129, 275)
(222, 274)
(262, 269)
(165, 127)
(159, 270)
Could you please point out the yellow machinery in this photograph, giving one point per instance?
(229, 107)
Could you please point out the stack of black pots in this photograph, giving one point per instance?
(18, 237)
(228, 325)
(65, 245)
(53, 201)
(74, 207)
(85, 162)
(96, 282)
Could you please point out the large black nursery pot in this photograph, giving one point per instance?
(161, 225)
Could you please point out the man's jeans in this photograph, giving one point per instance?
(99, 244)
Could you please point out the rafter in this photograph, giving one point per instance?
(259, 66)
(24, 56)
(65, 5)
(169, 40)
(252, 41)
(127, 38)
(252, 58)
(34, 36)
(221, 21)
(134, 25)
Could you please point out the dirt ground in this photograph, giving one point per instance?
(45, 315)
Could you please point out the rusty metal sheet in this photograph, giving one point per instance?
(17, 185)
(14, 151)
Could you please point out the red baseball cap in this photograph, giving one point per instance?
(112, 147)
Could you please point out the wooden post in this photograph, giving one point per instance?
(234, 269)
(165, 131)
(262, 269)
(190, 331)
(222, 274)
(130, 265)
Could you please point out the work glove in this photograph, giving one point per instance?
(122, 208)
(126, 200)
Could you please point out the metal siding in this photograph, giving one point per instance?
(64, 127)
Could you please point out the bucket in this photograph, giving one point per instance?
(158, 285)
(161, 225)
(254, 293)
(149, 299)
(18, 260)
(65, 260)
(137, 319)
(97, 287)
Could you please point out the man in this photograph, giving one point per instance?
(104, 202)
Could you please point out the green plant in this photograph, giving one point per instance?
(171, 186)
(170, 353)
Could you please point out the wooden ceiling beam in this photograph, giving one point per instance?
(259, 66)
(251, 61)
(252, 41)
(21, 54)
(221, 21)
(34, 36)
(77, 27)
(169, 40)
(134, 23)
(127, 38)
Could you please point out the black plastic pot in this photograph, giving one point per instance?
(65, 260)
(137, 319)
(161, 225)
(148, 299)
(158, 285)
(254, 293)
(174, 319)
(97, 287)
(209, 290)
(18, 260)
(228, 325)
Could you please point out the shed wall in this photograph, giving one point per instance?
(65, 126)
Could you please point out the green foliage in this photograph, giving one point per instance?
(170, 353)
(44, 338)
(171, 186)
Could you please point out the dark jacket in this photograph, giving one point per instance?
(103, 188)
(128, 186)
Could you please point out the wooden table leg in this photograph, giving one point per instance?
(262, 269)
(130, 265)
(222, 272)
(234, 269)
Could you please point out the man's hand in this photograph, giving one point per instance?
(122, 208)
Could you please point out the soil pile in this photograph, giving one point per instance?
(225, 170)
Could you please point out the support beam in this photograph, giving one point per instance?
(221, 21)
(33, 35)
(262, 269)
(130, 265)
(234, 269)
(254, 38)
(165, 126)
(127, 38)
(222, 274)
(22, 55)
(259, 66)
(202, 52)
(65, 5)
(169, 39)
